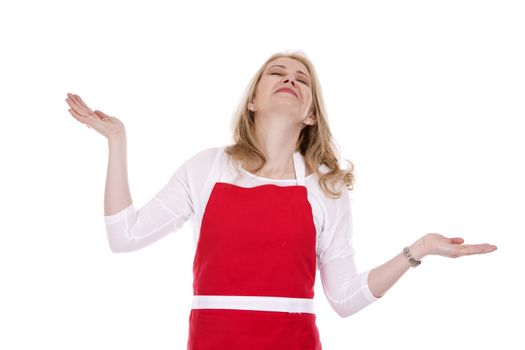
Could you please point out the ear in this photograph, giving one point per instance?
(311, 120)
(251, 106)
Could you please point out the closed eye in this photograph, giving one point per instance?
(302, 81)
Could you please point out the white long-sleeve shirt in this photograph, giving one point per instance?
(187, 192)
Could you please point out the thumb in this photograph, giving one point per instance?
(456, 240)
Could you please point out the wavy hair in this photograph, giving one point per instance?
(315, 142)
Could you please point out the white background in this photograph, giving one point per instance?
(426, 98)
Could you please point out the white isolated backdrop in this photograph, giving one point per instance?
(426, 98)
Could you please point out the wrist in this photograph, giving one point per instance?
(418, 249)
(117, 139)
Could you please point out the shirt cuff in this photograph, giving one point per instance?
(114, 218)
(366, 289)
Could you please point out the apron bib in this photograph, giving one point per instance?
(254, 269)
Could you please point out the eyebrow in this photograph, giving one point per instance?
(280, 65)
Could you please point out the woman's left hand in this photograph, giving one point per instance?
(436, 244)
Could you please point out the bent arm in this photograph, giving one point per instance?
(381, 278)
(349, 291)
(129, 229)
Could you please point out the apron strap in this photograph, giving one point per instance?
(300, 168)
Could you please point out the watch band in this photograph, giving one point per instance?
(413, 262)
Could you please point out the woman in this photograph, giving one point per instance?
(267, 212)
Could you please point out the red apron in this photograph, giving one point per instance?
(254, 269)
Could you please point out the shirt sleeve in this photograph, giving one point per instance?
(335, 240)
(346, 289)
(132, 229)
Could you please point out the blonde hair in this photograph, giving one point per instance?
(315, 142)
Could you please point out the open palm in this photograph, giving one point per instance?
(437, 244)
(106, 125)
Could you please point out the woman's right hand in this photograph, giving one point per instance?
(109, 127)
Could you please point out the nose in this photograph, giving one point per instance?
(289, 80)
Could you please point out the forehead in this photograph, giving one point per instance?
(289, 63)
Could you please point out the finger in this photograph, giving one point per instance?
(470, 249)
(80, 106)
(86, 112)
(82, 103)
(79, 117)
(93, 120)
(74, 105)
(82, 118)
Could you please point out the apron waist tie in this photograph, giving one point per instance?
(282, 304)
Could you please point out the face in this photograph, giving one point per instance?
(286, 73)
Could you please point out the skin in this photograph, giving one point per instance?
(279, 118)
(383, 277)
(109, 127)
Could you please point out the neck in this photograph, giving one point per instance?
(278, 146)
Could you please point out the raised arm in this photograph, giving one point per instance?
(117, 195)
(129, 229)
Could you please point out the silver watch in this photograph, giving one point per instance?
(413, 262)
